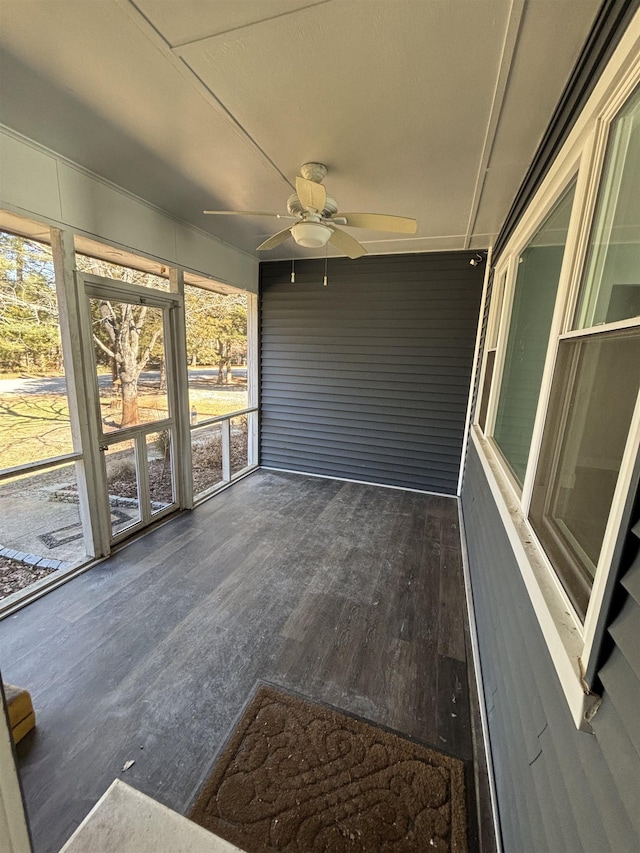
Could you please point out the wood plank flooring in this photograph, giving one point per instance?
(349, 594)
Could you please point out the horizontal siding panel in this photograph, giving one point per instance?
(625, 630)
(386, 454)
(619, 808)
(357, 459)
(359, 341)
(384, 374)
(420, 392)
(322, 427)
(312, 412)
(409, 444)
(369, 377)
(631, 580)
(413, 363)
(623, 688)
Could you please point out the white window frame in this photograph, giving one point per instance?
(574, 646)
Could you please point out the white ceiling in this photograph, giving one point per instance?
(425, 108)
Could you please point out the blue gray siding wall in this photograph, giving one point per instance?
(368, 378)
(558, 789)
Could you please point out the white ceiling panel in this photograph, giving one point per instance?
(184, 21)
(536, 81)
(376, 108)
(216, 103)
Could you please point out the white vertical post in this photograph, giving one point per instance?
(226, 449)
(182, 448)
(252, 378)
(71, 306)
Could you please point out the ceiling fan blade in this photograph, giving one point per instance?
(381, 222)
(247, 213)
(346, 243)
(274, 241)
(312, 195)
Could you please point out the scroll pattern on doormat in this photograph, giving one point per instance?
(299, 777)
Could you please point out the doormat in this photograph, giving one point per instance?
(298, 777)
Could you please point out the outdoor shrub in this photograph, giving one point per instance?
(120, 469)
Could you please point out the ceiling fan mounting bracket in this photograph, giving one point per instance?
(313, 172)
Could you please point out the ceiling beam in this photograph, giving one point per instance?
(512, 33)
(145, 25)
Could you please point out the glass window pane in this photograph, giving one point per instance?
(532, 311)
(239, 445)
(486, 388)
(159, 469)
(216, 325)
(206, 458)
(122, 486)
(130, 360)
(40, 528)
(611, 284)
(34, 413)
(593, 397)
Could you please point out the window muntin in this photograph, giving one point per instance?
(610, 288)
(534, 299)
(592, 402)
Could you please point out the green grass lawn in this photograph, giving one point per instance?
(36, 426)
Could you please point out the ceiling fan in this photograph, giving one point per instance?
(315, 217)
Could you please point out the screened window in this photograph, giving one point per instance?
(534, 300)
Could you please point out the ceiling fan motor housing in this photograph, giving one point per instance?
(295, 207)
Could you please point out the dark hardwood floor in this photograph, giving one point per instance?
(349, 594)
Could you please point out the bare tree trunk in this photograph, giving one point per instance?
(130, 411)
(163, 375)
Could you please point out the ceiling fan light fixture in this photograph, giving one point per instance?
(311, 235)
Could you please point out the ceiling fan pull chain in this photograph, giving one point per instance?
(293, 271)
(325, 280)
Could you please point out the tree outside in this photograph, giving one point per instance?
(216, 330)
(126, 336)
(29, 330)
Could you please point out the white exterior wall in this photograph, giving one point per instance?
(41, 185)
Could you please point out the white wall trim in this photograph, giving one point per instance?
(477, 666)
(474, 368)
(228, 264)
(559, 625)
(359, 482)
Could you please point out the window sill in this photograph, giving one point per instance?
(559, 625)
